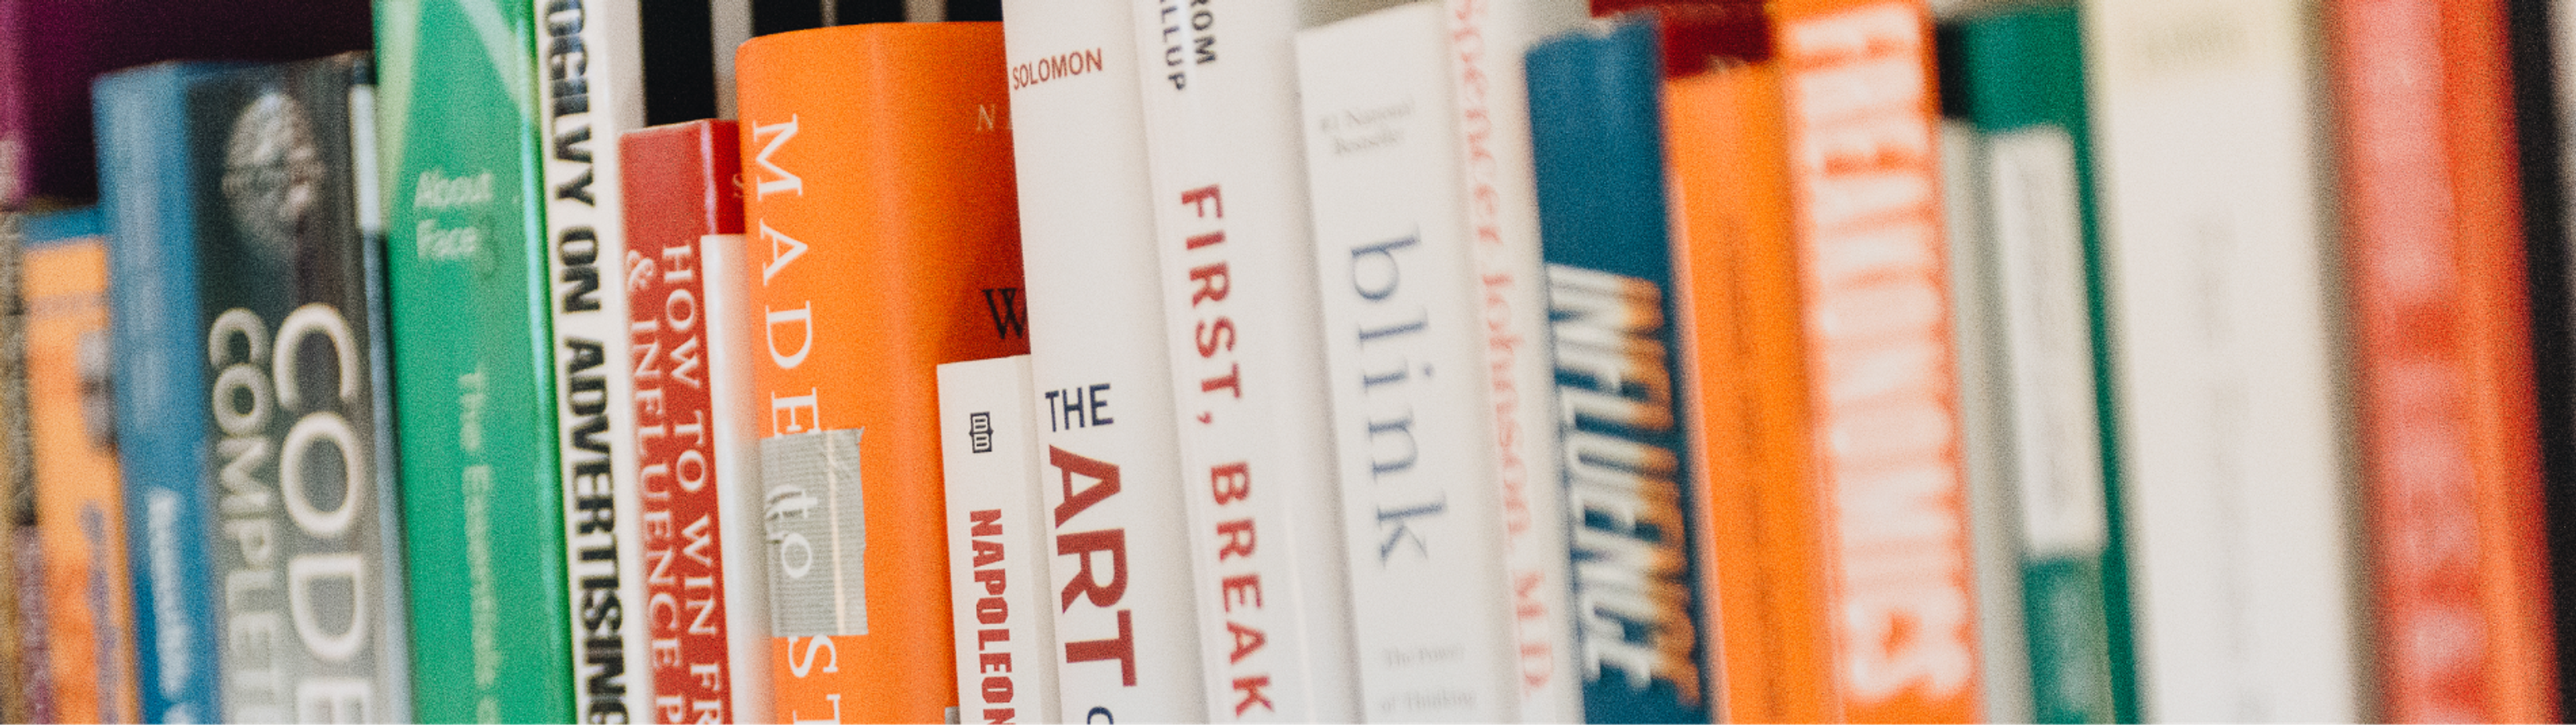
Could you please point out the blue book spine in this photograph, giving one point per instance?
(1596, 127)
(148, 203)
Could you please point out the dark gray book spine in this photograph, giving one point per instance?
(308, 568)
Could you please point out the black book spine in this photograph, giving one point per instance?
(307, 569)
(2539, 117)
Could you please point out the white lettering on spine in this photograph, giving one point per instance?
(1864, 163)
(270, 592)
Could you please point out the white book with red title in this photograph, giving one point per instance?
(1405, 360)
(997, 542)
(1238, 273)
(1110, 459)
(1487, 39)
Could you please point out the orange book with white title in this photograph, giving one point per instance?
(882, 239)
(1808, 197)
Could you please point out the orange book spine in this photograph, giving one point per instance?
(91, 630)
(2449, 438)
(1864, 174)
(1728, 155)
(882, 240)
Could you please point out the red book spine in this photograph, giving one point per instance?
(2449, 445)
(679, 190)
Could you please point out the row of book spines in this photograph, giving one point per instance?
(2031, 244)
(2439, 190)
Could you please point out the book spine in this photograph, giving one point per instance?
(1423, 518)
(22, 655)
(77, 485)
(309, 561)
(850, 455)
(733, 327)
(151, 216)
(2232, 468)
(1886, 422)
(2022, 81)
(676, 198)
(1773, 658)
(1985, 448)
(466, 257)
(1113, 474)
(1226, 163)
(996, 542)
(1596, 128)
(2449, 453)
(589, 94)
(1486, 42)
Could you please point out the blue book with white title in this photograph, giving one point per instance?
(148, 204)
(1597, 131)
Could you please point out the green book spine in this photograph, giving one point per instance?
(482, 501)
(2020, 77)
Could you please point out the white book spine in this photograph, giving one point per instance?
(1486, 42)
(1986, 442)
(735, 417)
(1405, 357)
(1238, 273)
(997, 542)
(1111, 473)
(2236, 481)
(591, 93)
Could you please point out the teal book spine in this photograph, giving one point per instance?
(149, 203)
(2017, 76)
(1596, 129)
(465, 253)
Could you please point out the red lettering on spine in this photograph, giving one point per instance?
(1121, 649)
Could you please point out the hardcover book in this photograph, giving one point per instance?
(704, 575)
(1865, 205)
(1837, 513)
(878, 186)
(282, 261)
(71, 417)
(2450, 459)
(2020, 81)
(1422, 515)
(292, 307)
(1596, 130)
(466, 270)
(1226, 161)
(1099, 359)
(151, 215)
(1769, 656)
(593, 92)
(997, 543)
(2232, 456)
